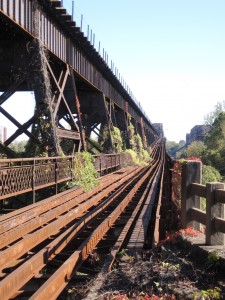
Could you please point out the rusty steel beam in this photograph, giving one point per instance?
(17, 124)
(7, 94)
(77, 103)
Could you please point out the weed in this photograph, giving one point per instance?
(122, 253)
(212, 260)
(84, 172)
(170, 267)
(208, 294)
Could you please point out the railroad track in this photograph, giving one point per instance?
(45, 244)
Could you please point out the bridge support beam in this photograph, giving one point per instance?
(98, 118)
(39, 82)
(121, 119)
(22, 128)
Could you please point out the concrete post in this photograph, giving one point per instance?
(191, 173)
(213, 209)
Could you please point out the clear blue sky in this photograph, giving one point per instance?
(171, 53)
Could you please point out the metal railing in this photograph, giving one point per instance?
(19, 176)
(191, 214)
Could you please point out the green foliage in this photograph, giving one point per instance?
(104, 137)
(215, 143)
(139, 158)
(117, 140)
(114, 135)
(211, 151)
(84, 172)
(122, 252)
(137, 151)
(212, 260)
(131, 136)
(144, 155)
(66, 147)
(208, 294)
(210, 174)
(18, 146)
(170, 267)
(216, 137)
(195, 149)
(172, 147)
(133, 155)
(138, 143)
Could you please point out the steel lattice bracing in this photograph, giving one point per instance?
(42, 50)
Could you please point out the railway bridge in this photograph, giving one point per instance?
(49, 242)
(78, 93)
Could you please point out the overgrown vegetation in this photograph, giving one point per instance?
(137, 152)
(173, 148)
(84, 171)
(111, 139)
(117, 140)
(18, 146)
(210, 174)
(139, 158)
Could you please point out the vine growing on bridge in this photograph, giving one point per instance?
(113, 137)
(84, 172)
(137, 151)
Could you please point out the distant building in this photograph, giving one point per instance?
(3, 134)
(159, 128)
(197, 133)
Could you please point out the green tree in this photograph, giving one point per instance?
(210, 174)
(18, 146)
(215, 142)
(195, 149)
(173, 147)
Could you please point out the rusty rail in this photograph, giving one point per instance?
(75, 209)
(121, 195)
(19, 176)
(59, 242)
(68, 269)
(136, 241)
(44, 213)
(138, 236)
(20, 216)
